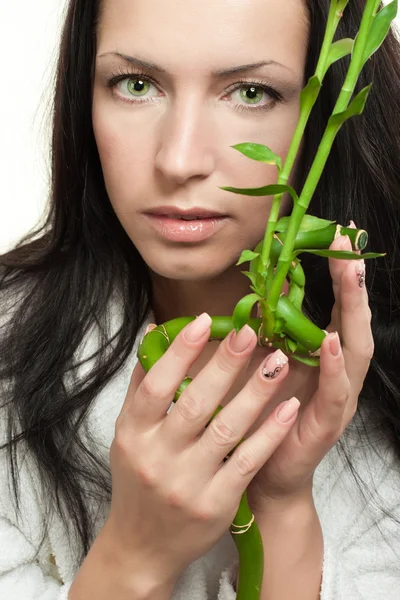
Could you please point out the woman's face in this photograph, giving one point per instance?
(164, 132)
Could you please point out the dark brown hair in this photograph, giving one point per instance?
(60, 279)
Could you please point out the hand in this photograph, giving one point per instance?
(173, 496)
(329, 409)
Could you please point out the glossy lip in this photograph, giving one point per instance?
(177, 230)
(174, 211)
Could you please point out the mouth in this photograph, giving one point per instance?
(192, 214)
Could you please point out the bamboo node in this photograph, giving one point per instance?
(243, 528)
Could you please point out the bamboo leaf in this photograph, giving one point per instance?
(310, 92)
(380, 28)
(308, 223)
(251, 276)
(246, 256)
(339, 50)
(307, 360)
(355, 108)
(242, 312)
(259, 152)
(290, 344)
(342, 254)
(268, 190)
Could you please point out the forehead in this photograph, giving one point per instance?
(188, 35)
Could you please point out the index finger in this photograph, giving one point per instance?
(148, 399)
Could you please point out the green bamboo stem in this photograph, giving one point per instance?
(306, 108)
(317, 167)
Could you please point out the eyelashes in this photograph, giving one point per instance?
(113, 79)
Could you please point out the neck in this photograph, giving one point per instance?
(179, 298)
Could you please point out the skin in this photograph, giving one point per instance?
(176, 150)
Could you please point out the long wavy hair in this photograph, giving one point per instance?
(58, 281)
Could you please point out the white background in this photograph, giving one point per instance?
(29, 33)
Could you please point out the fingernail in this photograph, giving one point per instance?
(240, 341)
(359, 268)
(288, 410)
(334, 344)
(352, 225)
(345, 242)
(274, 364)
(149, 328)
(198, 328)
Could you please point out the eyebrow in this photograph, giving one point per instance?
(219, 73)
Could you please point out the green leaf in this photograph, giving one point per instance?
(379, 29)
(246, 256)
(355, 108)
(242, 312)
(310, 92)
(339, 50)
(307, 360)
(251, 276)
(291, 345)
(260, 153)
(308, 223)
(342, 254)
(268, 190)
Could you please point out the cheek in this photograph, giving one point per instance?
(123, 156)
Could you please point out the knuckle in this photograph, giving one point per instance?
(225, 363)
(176, 498)
(221, 434)
(147, 475)
(148, 390)
(122, 442)
(190, 406)
(203, 513)
(245, 464)
(368, 351)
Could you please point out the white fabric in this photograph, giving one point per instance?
(360, 562)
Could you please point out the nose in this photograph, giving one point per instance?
(185, 148)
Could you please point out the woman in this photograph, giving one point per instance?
(149, 98)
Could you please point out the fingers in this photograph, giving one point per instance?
(238, 471)
(358, 343)
(333, 405)
(228, 428)
(149, 398)
(201, 398)
(336, 268)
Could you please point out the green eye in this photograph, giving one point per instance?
(251, 94)
(138, 87)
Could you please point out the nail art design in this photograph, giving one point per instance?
(361, 273)
(274, 365)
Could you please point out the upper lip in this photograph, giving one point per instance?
(181, 212)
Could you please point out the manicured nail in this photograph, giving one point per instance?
(149, 328)
(198, 328)
(288, 410)
(345, 242)
(274, 364)
(240, 341)
(359, 268)
(352, 225)
(334, 344)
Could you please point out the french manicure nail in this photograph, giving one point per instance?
(274, 364)
(197, 328)
(359, 268)
(334, 344)
(240, 341)
(288, 410)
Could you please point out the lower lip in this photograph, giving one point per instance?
(178, 230)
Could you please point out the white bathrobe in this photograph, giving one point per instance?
(361, 560)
